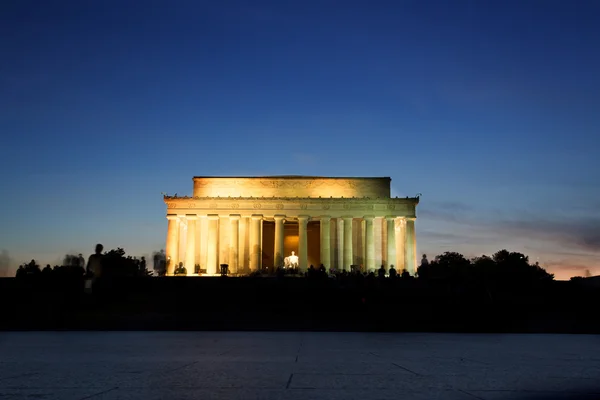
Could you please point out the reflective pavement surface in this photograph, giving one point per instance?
(297, 365)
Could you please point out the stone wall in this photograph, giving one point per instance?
(291, 187)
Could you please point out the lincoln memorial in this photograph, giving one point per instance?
(255, 223)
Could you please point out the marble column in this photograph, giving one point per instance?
(400, 244)
(212, 249)
(255, 242)
(391, 241)
(234, 242)
(370, 242)
(347, 243)
(172, 243)
(325, 226)
(279, 236)
(203, 243)
(303, 242)
(190, 251)
(340, 244)
(182, 240)
(410, 247)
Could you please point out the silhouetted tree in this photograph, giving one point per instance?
(116, 263)
(513, 268)
(449, 266)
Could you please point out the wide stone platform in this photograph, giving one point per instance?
(254, 365)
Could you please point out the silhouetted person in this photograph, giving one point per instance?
(180, 270)
(381, 272)
(311, 271)
(322, 271)
(424, 261)
(94, 265)
(143, 266)
(392, 272)
(80, 261)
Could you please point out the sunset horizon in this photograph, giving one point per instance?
(487, 111)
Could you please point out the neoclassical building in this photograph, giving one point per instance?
(252, 223)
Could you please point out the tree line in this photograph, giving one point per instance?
(503, 267)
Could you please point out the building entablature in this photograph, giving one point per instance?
(293, 206)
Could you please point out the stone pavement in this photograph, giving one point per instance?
(297, 365)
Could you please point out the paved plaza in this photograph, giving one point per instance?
(297, 365)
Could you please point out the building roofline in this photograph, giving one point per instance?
(184, 198)
(292, 177)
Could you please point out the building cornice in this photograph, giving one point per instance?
(412, 200)
(292, 205)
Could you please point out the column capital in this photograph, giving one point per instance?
(256, 217)
(191, 217)
(325, 217)
(304, 217)
(410, 218)
(172, 217)
(279, 217)
(346, 217)
(234, 217)
(391, 217)
(213, 217)
(368, 217)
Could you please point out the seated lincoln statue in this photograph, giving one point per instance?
(291, 261)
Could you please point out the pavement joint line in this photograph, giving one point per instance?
(404, 368)
(183, 366)
(100, 393)
(289, 382)
(470, 394)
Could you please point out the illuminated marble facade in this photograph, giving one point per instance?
(253, 223)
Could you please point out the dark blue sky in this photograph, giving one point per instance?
(491, 110)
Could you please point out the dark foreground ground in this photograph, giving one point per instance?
(297, 304)
(298, 366)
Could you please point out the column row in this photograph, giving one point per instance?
(201, 236)
(403, 244)
(194, 239)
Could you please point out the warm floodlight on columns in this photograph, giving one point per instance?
(234, 242)
(279, 237)
(255, 242)
(190, 251)
(303, 242)
(348, 261)
(410, 247)
(172, 243)
(325, 226)
(339, 229)
(370, 239)
(391, 241)
(212, 246)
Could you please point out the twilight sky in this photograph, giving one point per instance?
(490, 109)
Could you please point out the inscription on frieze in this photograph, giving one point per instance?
(213, 205)
(279, 206)
(257, 206)
(172, 205)
(235, 206)
(303, 206)
(191, 205)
